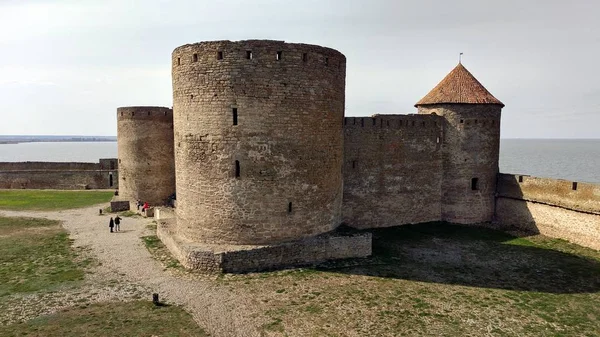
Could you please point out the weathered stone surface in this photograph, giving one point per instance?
(57, 175)
(145, 144)
(470, 149)
(392, 170)
(553, 221)
(119, 205)
(276, 176)
(247, 258)
(577, 196)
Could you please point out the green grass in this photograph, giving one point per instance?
(138, 318)
(438, 280)
(160, 252)
(45, 200)
(36, 254)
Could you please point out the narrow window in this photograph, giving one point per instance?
(475, 121)
(119, 161)
(362, 122)
(249, 54)
(462, 121)
(520, 179)
(290, 207)
(195, 58)
(179, 61)
(574, 186)
(354, 164)
(474, 184)
(423, 123)
(388, 123)
(278, 58)
(191, 96)
(304, 57)
(132, 113)
(110, 179)
(327, 61)
(374, 121)
(148, 113)
(235, 116)
(121, 113)
(237, 168)
(165, 113)
(354, 121)
(219, 55)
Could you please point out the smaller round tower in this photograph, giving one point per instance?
(471, 143)
(146, 161)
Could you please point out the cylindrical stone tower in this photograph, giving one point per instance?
(471, 143)
(146, 161)
(258, 140)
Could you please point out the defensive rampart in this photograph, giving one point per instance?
(58, 175)
(556, 208)
(392, 170)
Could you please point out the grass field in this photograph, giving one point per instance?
(437, 280)
(45, 200)
(36, 254)
(138, 318)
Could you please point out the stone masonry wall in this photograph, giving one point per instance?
(146, 160)
(57, 175)
(392, 170)
(556, 208)
(258, 140)
(471, 143)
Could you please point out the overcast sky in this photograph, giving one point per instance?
(65, 66)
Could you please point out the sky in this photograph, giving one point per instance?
(65, 66)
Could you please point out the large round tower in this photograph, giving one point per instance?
(471, 142)
(145, 145)
(258, 140)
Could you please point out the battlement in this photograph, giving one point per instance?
(573, 195)
(257, 53)
(145, 113)
(394, 121)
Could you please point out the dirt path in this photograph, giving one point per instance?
(221, 311)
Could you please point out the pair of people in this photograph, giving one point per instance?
(144, 205)
(115, 224)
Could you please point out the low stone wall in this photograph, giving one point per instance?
(62, 176)
(119, 206)
(241, 259)
(552, 207)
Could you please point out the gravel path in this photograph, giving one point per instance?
(122, 256)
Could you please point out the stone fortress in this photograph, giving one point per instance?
(266, 168)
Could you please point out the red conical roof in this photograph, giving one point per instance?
(459, 87)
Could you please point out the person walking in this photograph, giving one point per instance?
(117, 224)
(111, 224)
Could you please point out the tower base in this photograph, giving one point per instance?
(249, 258)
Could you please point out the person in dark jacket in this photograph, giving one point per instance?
(117, 224)
(111, 224)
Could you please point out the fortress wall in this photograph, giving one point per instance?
(59, 175)
(146, 160)
(258, 140)
(552, 207)
(54, 166)
(392, 170)
(57, 179)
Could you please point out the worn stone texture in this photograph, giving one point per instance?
(577, 196)
(553, 221)
(392, 170)
(470, 149)
(288, 141)
(247, 258)
(119, 205)
(57, 175)
(145, 145)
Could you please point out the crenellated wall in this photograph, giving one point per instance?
(392, 170)
(552, 207)
(58, 175)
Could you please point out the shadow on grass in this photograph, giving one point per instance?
(474, 256)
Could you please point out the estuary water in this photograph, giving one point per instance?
(571, 159)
